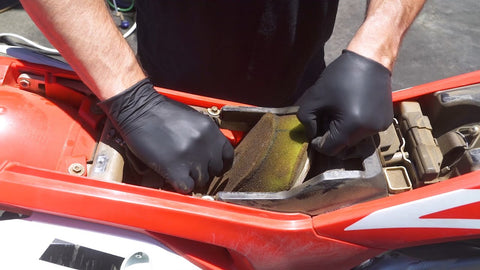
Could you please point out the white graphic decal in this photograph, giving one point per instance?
(408, 215)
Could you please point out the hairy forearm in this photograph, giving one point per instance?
(381, 34)
(86, 36)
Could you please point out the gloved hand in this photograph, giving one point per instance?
(350, 101)
(182, 145)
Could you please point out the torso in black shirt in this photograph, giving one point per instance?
(261, 52)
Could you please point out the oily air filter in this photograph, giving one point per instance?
(272, 157)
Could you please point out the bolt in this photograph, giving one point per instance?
(24, 83)
(213, 110)
(76, 168)
(475, 130)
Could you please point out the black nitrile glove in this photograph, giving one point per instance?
(182, 145)
(350, 101)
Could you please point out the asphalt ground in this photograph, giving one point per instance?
(443, 41)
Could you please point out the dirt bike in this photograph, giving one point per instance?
(73, 196)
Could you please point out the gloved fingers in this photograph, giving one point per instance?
(200, 175)
(219, 164)
(332, 142)
(227, 156)
(309, 121)
(215, 166)
(181, 182)
(311, 113)
(326, 145)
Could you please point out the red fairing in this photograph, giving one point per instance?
(431, 214)
(42, 132)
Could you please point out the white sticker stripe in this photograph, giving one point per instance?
(408, 215)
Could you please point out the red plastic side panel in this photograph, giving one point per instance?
(38, 132)
(267, 240)
(411, 218)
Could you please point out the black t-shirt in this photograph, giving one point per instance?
(261, 52)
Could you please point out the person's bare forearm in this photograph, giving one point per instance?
(86, 36)
(381, 34)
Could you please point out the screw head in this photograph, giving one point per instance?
(214, 110)
(24, 83)
(76, 169)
